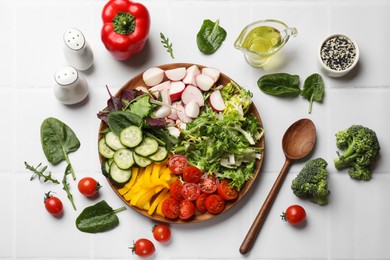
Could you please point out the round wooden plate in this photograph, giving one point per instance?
(138, 81)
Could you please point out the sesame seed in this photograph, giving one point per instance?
(338, 53)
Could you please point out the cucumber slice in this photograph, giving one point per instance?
(112, 141)
(118, 175)
(104, 150)
(131, 136)
(123, 158)
(160, 155)
(148, 147)
(141, 161)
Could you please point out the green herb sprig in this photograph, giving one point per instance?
(66, 185)
(40, 173)
(167, 45)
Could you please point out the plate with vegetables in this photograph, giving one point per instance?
(181, 143)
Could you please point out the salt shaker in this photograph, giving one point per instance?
(71, 87)
(77, 50)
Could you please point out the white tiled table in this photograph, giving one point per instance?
(354, 225)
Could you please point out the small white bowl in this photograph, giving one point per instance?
(338, 54)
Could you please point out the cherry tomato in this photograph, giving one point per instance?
(143, 247)
(175, 190)
(192, 174)
(208, 183)
(162, 233)
(171, 208)
(294, 215)
(200, 202)
(187, 209)
(226, 192)
(177, 163)
(53, 205)
(190, 191)
(88, 186)
(214, 204)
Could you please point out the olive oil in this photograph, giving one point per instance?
(262, 39)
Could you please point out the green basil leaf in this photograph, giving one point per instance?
(119, 120)
(98, 218)
(210, 36)
(279, 84)
(57, 140)
(313, 89)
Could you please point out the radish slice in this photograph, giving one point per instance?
(155, 90)
(192, 109)
(153, 76)
(204, 82)
(162, 112)
(166, 99)
(212, 73)
(173, 114)
(176, 89)
(174, 131)
(142, 88)
(191, 73)
(216, 101)
(182, 114)
(176, 74)
(192, 93)
(181, 125)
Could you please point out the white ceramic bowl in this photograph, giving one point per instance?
(338, 54)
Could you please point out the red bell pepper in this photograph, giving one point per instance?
(126, 26)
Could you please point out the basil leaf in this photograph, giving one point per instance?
(57, 140)
(313, 89)
(210, 36)
(98, 218)
(119, 120)
(279, 84)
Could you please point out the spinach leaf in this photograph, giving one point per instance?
(210, 36)
(119, 120)
(313, 89)
(58, 140)
(279, 84)
(98, 218)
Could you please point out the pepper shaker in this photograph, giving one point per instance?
(77, 50)
(71, 87)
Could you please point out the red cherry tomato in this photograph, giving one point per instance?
(294, 215)
(177, 163)
(200, 202)
(226, 192)
(214, 204)
(53, 205)
(192, 174)
(171, 208)
(208, 183)
(88, 186)
(187, 209)
(190, 191)
(161, 233)
(143, 247)
(175, 190)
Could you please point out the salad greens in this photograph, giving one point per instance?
(167, 45)
(313, 89)
(224, 143)
(40, 172)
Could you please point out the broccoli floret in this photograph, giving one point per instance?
(361, 148)
(311, 182)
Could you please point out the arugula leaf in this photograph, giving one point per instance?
(167, 45)
(66, 186)
(98, 218)
(313, 89)
(40, 173)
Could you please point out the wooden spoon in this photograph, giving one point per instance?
(298, 142)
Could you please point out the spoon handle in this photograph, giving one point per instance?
(262, 214)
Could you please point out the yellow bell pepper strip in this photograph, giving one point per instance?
(163, 194)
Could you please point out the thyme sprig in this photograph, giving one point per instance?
(40, 173)
(167, 45)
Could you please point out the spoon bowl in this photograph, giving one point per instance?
(297, 143)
